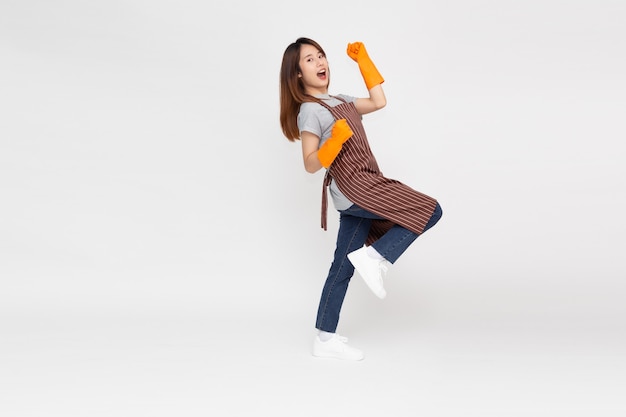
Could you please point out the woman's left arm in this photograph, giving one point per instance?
(371, 76)
(375, 101)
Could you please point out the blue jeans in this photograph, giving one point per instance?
(354, 226)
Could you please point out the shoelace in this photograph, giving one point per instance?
(342, 339)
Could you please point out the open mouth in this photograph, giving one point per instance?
(322, 74)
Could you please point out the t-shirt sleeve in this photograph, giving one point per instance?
(348, 98)
(315, 118)
(309, 120)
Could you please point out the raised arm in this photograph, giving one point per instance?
(371, 76)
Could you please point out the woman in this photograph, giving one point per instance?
(379, 217)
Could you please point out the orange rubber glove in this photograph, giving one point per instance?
(370, 74)
(340, 133)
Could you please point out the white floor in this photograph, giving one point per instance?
(425, 355)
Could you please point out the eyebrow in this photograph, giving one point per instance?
(313, 54)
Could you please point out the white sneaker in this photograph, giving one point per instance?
(370, 269)
(337, 348)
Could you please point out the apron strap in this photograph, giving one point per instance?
(325, 184)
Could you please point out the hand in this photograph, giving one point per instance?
(339, 134)
(371, 76)
(356, 48)
(341, 131)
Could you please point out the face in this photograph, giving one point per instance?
(314, 71)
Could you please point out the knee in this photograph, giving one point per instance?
(434, 218)
(437, 213)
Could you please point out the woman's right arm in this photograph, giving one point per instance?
(310, 144)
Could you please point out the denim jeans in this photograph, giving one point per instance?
(354, 226)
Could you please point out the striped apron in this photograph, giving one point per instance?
(358, 177)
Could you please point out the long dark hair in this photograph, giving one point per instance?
(292, 93)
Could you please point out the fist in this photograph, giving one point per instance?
(341, 131)
(356, 50)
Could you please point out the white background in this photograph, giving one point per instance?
(160, 249)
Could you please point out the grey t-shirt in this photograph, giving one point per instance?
(315, 118)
